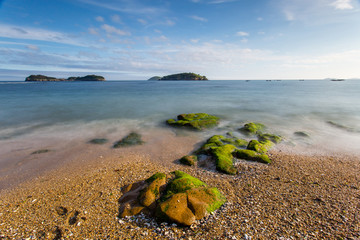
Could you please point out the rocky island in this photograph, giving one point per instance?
(42, 78)
(180, 77)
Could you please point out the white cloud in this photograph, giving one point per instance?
(113, 30)
(197, 18)
(142, 21)
(116, 18)
(19, 32)
(242, 34)
(33, 47)
(99, 19)
(343, 4)
(93, 31)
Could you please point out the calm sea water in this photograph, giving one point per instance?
(66, 110)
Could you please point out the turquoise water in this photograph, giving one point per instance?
(73, 109)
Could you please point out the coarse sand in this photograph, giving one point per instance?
(297, 196)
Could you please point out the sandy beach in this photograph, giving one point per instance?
(297, 196)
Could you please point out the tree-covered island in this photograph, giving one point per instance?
(180, 77)
(42, 78)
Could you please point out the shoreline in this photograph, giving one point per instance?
(309, 195)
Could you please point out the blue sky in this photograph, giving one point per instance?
(222, 39)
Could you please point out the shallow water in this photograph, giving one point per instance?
(39, 113)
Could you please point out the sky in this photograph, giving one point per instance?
(221, 39)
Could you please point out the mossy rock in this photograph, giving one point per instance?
(98, 141)
(252, 128)
(130, 140)
(260, 147)
(269, 137)
(189, 160)
(219, 140)
(252, 156)
(181, 198)
(181, 183)
(224, 158)
(197, 121)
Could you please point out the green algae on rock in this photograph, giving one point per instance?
(252, 128)
(252, 156)
(197, 121)
(178, 197)
(260, 147)
(219, 140)
(130, 140)
(189, 160)
(224, 158)
(271, 137)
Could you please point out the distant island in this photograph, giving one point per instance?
(180, 77)
(42, 78)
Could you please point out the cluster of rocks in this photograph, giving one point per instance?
(222, 150)
(177, 197)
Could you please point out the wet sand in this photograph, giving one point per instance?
(297, 196)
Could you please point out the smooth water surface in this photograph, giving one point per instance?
(72, 109)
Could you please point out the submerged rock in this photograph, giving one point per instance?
(98, 141)
(302, 134)
(178, 198)
(252, 128)
(270, 137)
(197, 121)
(130, 140)
(41, 151)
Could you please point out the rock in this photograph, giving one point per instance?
(252, 156)
(260, 147)
(98, 141)
(252, 128)
(197, 121)
(130, 140)
(73, 217)
(189, 160)
(219, 140)
(269, 137)
(302, 134)
(178, 198)
(224, 158)
(41, 151)
(61, 210)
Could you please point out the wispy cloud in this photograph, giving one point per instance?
(242, 34)
(116, 19)
(197, 18)
(99, 19)
(113, 30)
(125, 6)
(19, 32)
(343, 4)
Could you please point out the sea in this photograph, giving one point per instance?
(38, 115)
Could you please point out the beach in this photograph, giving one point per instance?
(297, 196)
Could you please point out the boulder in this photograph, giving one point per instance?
(178, 198)
(260, 147)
